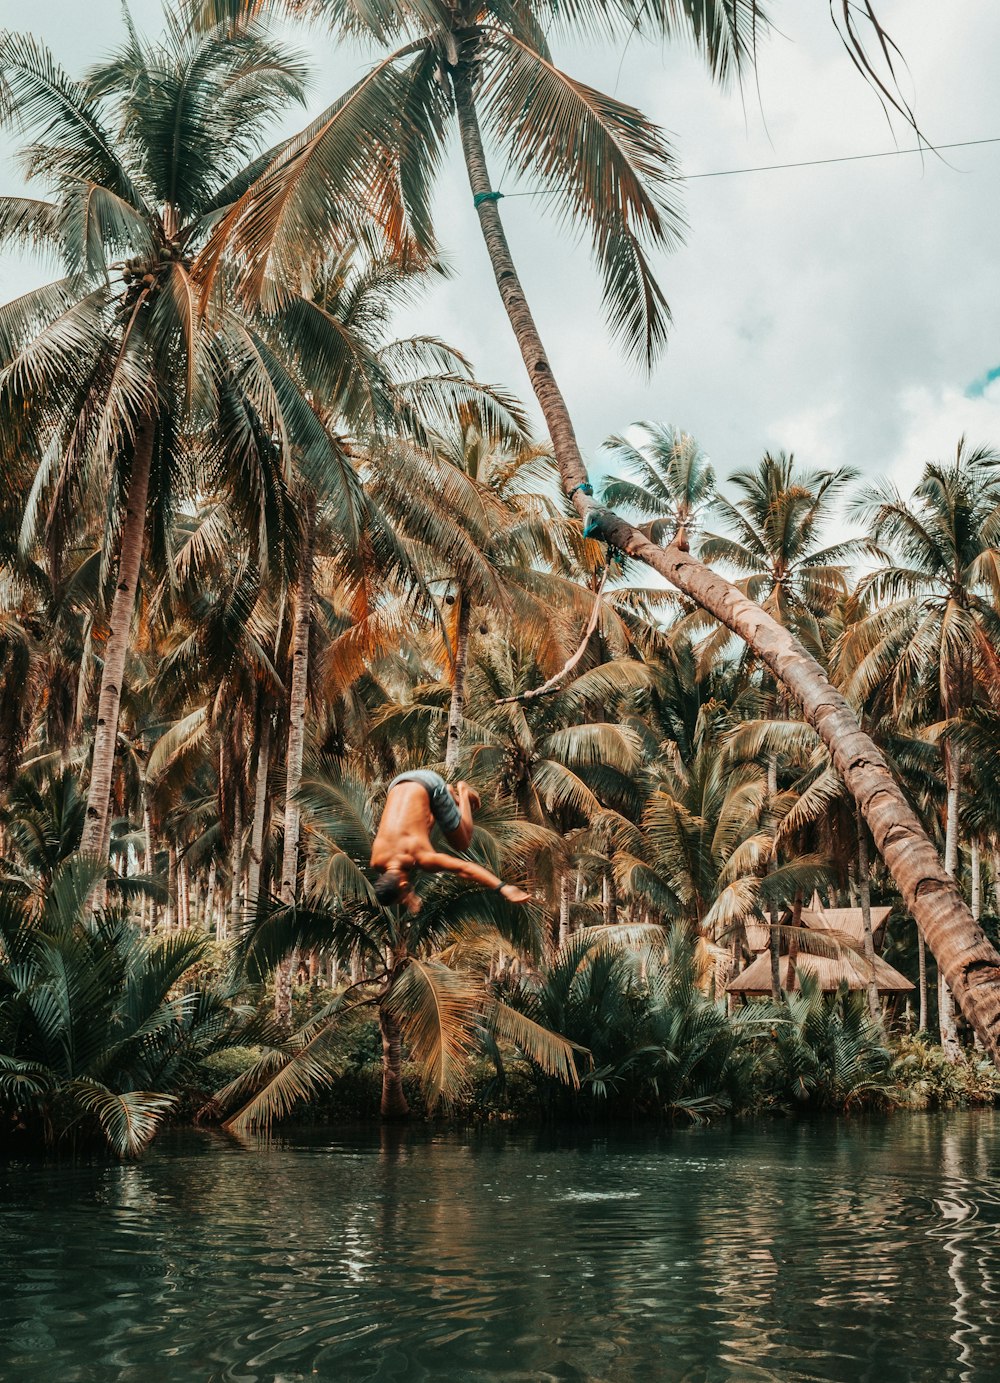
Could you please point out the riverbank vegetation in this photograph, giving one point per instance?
(257, 556)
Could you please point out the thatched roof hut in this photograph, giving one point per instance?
(848, 967)
(846, 926)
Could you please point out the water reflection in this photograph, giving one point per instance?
(812, 1251)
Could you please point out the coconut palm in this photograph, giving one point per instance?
(113, 369)
(669, 482)
(775, 547)
(933, 627)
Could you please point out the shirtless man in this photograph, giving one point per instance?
(413, 803)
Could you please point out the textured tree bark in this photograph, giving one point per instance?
(564, 900)
(608, 899)
(183, 895)
(116, 649)
(976, 872)
(394, 1104)
(236, 863)
(171, 919)
(774, 936)
(947, 1029)
(296, 749)
(259, 813)
(456, 709)
(148, 907)
(213, 870)
(970, 963)
(864, 888)
(793, 945)
(921, 981)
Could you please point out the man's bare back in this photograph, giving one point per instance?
(403, 841)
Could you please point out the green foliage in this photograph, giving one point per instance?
(651, 1041)
(827, 1052)
(924, 1078)
(97, 1027)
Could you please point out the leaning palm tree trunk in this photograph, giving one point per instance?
(970, 964)
(296, 748)
(116, 649)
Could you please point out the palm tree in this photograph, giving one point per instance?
(115, 369)
(931, 632)
(670, 480)
(774, 544)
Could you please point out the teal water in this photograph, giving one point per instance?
(789, 1251)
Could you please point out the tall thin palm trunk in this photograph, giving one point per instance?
(236, 863)
(921, 980)
(608, 900)
(864, 888)
(565, 885)
(171, 920)
(148, 904)
(394, 1103)
(774, 936)
(970, 963)
(301, 630)
(948, 1032)
(213, 870)
(456, 709)
(259, 813)
(116, 649)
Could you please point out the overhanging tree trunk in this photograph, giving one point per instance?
(296, 748)
(116, 649)
(970, 964)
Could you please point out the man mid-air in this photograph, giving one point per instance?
(413, 803)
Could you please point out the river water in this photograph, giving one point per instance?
(836, 1251)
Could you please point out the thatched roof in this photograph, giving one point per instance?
(831, 971)
(846, 924)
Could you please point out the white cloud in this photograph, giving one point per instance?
(933, 420)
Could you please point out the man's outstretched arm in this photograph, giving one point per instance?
(432, 861)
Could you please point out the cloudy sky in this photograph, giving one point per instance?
(846, 312)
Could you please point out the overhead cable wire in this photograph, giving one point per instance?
(804, 163)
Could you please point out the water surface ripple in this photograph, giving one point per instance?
(846, 1251)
